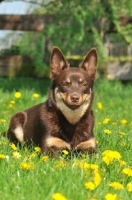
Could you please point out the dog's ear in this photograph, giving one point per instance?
(57, 63)
(89, 63)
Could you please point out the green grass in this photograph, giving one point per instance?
(37, 179)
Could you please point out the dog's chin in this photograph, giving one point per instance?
(72, 106)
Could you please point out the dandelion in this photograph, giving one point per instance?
(107, 131)
(106, 121)
(33, 155)
(12, 102)
(83, 155)
(59, 164)
(123, 121)
(16, 155)
(122, 162)
(110, 196)
(121, 134)
(3, 120)
(13, 146)
(127, 171)
(37, 149)
(58, 196)
(2, 156)
(65, 152)
(44, 158)
(97, 178)
(108, 156)
(100, 106)
(116, 185)
(99, 123)
(129, 187)
(17, 95)
(35, 95)
(90, 185)
(27, 166)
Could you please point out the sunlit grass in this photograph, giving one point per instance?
(28, 174)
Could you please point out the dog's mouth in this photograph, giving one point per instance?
(72, 106)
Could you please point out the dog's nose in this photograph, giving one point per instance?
(74, 97)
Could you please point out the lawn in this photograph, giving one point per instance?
(28, 174)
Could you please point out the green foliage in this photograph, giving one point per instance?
(76, 27)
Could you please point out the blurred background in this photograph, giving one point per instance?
(30, 28)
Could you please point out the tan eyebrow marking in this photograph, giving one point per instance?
(68, 80)
(80, 80)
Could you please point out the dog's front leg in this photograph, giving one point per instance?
(53, 145)
(88, 145)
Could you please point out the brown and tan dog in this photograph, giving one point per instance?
(66, 119)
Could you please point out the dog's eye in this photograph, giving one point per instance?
(84, 84)
(65, 84)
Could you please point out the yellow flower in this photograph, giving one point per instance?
(123, 121)
(65, 152)
(44, 158)
(122, 133)
(122, 162)
(2, 156)
(58, 196)
(83, 155)
(106, 120)
(13, 146)
(17, 95)
(3, 120)
(97, 178)
(25, 165)
(59, 164)
(37, 149)
(127, 171)
(16, 155)
(116, 185)
(107, 131)
(33, 155)
(110, 196)
(100, 106)
(35, 95)
(99, 123)
(90, 185)
(108, 156)
(129, 187)
(12, 102)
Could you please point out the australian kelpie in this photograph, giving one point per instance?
(66, 119)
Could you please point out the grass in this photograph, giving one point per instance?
(27, 174)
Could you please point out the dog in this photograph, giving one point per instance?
(66, 120)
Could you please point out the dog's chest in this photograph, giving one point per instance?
(72, 133)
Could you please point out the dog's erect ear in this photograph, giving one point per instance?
(89, 64)
(57, 63)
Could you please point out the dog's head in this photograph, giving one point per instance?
(73, 86)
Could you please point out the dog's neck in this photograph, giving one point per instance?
(72, 116)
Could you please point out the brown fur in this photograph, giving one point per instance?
(66, 119)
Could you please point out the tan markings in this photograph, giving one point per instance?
(86, 145)
(80, 80)
(56, 142)
(18, 132)
(68, 80)
(73, 116)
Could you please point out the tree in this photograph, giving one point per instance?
(79, 25)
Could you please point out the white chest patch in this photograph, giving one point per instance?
(73, 116)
